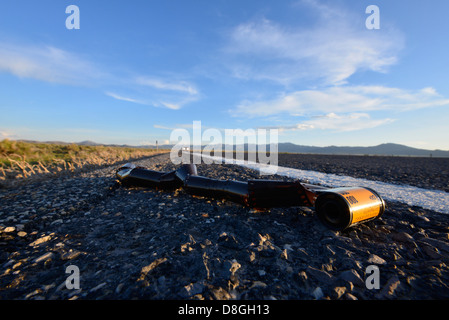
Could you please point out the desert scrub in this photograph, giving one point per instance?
(19, 159)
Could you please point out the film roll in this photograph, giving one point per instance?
(341, 208)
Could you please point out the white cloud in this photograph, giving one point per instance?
(118, 97)
(345, 122)
(4, 134)
(343, 99)
(47, 63)
(51, 64)
(172, 106)
(336, 122)
(169, 94)
(181, 86)
(330, 51)
(155, 102)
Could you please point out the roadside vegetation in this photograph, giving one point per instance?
(20, 159)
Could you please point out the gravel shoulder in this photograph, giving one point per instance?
(135, 243)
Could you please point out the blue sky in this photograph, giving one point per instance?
(136, 70)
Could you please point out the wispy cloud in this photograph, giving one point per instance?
(118, 97)
(47, 63)
(154, 100)
(343, 99)
(167, 93)
(330, 51)
(158, 126)
(336, 122)
(5, 134)
(55, 65)
(181, 86)
(322, 55)
(346, 122)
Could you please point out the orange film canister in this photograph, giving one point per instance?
(341, 208)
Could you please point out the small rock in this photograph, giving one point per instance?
(101, 285)
(233, 266)
(228, 241)
(338, 292)
(45, 257)
(402, 237)
(58, 221)
(40, 241)
(33, 293)
(352, 276)
(9, 229)
(440, 245)
(192, 289)
(320, 275)
(349, 296)
(302, 278)
(72, 254)
(119, 288)
(258, 284)
(431, 251)
(284, 254)
(252, 256)
(390, 289)
(221, 294)
(145, 270)
(424, 218)
(375, 259)
(318, 293)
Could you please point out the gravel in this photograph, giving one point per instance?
(136, 243)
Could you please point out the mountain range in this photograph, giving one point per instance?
(392, 149)
(387, 149)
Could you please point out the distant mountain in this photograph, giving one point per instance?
(382, 149)
(387, 149)
(88, 143)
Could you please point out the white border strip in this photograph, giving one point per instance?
(435, 200)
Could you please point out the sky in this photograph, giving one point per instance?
(316, 71)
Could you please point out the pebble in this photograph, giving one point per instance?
(192, 289)
(402, 237)
(353, 277)
(389, 290)
(45, 257)
(318, 293)
(96, 288)
(40, 241)
(375, 259)
(339, 292)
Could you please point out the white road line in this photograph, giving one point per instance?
(435, 200)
